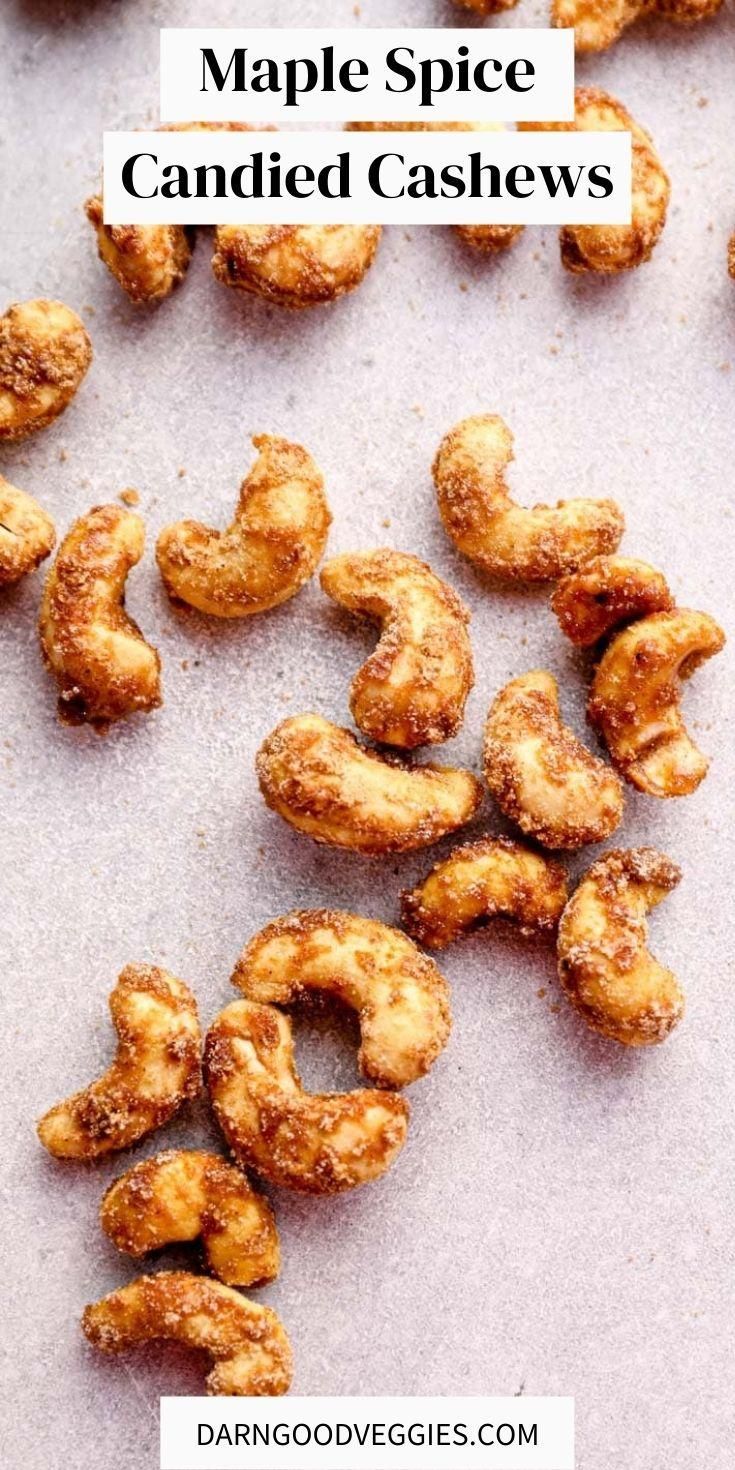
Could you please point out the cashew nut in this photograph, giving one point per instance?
(401, 998)
(27, 533)
(317, 777)
(598, 23)
(541, 776)
(483, 880)
(503, 538)
(413, 688)
(271, 548)
(487, 7)
(605, 967)
(44, 354)
(731, 257)
(315, 1143)
(247, 1341)
(102, 664)
(635, 699)
(607, 592)
(156, 1069)
(182, 1194)
(294, 265)
(147, 260)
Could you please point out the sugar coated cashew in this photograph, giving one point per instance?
(731, 257)
(486, 7)
(27, 533)
(270, 550)
(294, 265)
(44, 354)
(155, 1071)
(184, 1193)
(251, 1352)
(598, 23)
(607, 592)
(503, 538)
(413, 688)
(315, 1143)
(541, 776)
(317, 777)
(147, 260)
(635, 696)
(102, 664)
(607, 971)
(483, 880)
(400, 997)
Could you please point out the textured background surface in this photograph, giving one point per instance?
(561, 1219)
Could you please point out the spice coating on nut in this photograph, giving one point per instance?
(44, 354)
(27, 533)
(480, 881)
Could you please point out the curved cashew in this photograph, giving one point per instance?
(147, 260)
(483, 880)
(184, 1193)
(731, 257)
(401, 998)
(598, 23)
(156, 1069)
(315, 1143)
(317, 777)
(27, 533)
(635, 699)
(413, 688)
(251, 1352)
(44, 354)
(487, 7)
(505, 539)
(607, 592)
(294, 265)
(102, 664)
(541, 776)
(609, 975)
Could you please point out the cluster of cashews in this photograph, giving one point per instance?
(597, 23)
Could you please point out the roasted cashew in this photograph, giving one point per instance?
(401, 998)
(315, 1143)
(184, 1193)
(251, 1352)
(413, 688)
(487, 7)
(731, 257)
(294, 265)
(27, 533)
(607, 592)
(635, 699)
(317, 777)
(156, 1069)
(483, 880)
(541, 776)
(598, 23)
(102, 664)
(271, 548)
(44, 354)
(503, 538)
(605, 968)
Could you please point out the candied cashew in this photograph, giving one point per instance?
(318, 1143)
(731, 257)
(102, 664)
(483, 880)
(269, 551)
(413, 688)
(27, 533)
(247, 1341)
(608, 973)
(504, 539)
(400, 996)
(634, 703)
(185, 1193)
(294, 265)
(486, 7)
(541, 776)
(608, 592)
(147, 260)
(155, 1071)
(317, 777)
(597, 23)
(44, 354)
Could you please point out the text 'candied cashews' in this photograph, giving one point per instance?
(487, 879)
(607, 592)
(597, 23)
(44, 354)
(27, 533)
(318, 1143)
(294, 265)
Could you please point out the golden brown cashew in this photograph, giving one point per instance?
(487, 7)
(44, 354)
(271, 548)
(401, 998)
(607, 592)
(483, 880)
(27, 533)
(505, 539)
(156, 1069)
(635, 699)
(315, 1143)
(251, 1352)
(102, 664)
(294, 265)
(317, 777)
(731, 257)
(598, 23)
(541, 776)
(413, 688)
(184, 1193)
(609, 975)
